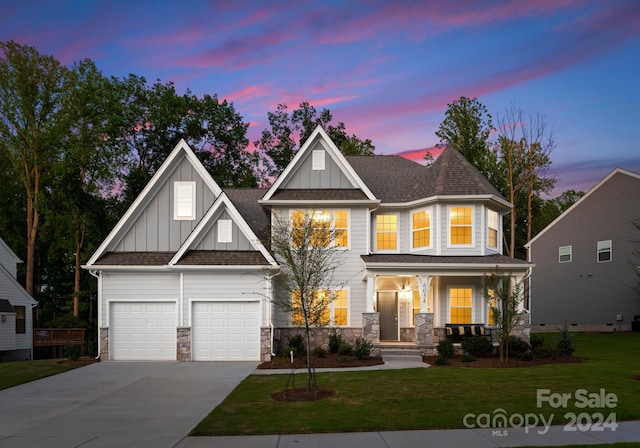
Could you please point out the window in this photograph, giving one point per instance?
(460, 225)
(225, 231)
(321, 232)
(604, 251)
(416, 304)
(421, 229)
(330, 312)
(492, 229)
(387, 232)
(21, 319)
(317, 162)
(564, 254)
(184, 201)
(460, 300)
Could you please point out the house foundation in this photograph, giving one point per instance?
(104, 343)
(183, 344)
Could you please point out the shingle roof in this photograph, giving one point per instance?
(6, 307)
(432, 259)
(245, 201)
(312, 194)
(135, 258)
(395, 179)
(223, 258)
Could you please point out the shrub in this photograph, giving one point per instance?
(286, 351)
(335, 341)
(547, 350)
(564, 342)
(362, 349)
(72, 352)
(536, 341)
(445, 352)
(467, 357)
(528, 356)
(518, 347)
(345, 349)
(477, 346)
(319, 352)
(297, 343)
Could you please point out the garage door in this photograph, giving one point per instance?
(143, 331)
(226, 331)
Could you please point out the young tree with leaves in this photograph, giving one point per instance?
(307, 249)
(505, 298)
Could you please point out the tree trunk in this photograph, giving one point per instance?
(76, 282)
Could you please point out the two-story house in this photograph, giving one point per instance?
(16, 305)
(186, 273)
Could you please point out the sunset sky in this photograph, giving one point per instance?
(387, 69)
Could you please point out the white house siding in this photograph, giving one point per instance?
(8, 332)
(305, 177)
(8, 259)
(155, 229)
(138, 287)
(12, 291)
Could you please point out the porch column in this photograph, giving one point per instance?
(424, 281)
(518, 280)
(371, 293)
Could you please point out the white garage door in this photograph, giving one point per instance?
(226, 331)
(143, 331)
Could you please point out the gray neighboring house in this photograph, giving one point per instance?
(185, 273)
(16, 305)
(582, 275)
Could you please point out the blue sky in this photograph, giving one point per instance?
(387, 69)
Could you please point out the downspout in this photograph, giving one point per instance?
(271, 327)
(96, 274)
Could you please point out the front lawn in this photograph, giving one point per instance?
(14, 373)
(390, 400)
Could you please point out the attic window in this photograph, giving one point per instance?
(224, 231)
(318, 160)
(564, 254)
(184, 201)
(604, 251)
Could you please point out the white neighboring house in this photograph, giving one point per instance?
(16, 305)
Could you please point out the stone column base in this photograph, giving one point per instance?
(104, 344)
(183, 338)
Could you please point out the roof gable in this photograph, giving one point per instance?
(319, 139)
(579, 202)
(222, 205)
(181, 154)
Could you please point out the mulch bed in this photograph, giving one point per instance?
(330, 360)
(83, 361)
(493, 362)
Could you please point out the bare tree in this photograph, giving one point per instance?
(307, 248)
(525, 142)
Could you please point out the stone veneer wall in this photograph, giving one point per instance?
(407, 334)
(425, 333)
(104, 343)
(523, 328)
(265, 344)
(319, 336)
(371, 327)
(183, 344)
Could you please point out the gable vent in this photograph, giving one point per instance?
(318, 159)
(224, 231)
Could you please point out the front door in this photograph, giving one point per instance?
(388, 309)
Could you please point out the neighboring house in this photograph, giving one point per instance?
(16, 305)
(184, 275)
(582, 275)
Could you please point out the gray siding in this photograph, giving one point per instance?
(210, 240)
(305, 177)
(585, 291)
(155, 229)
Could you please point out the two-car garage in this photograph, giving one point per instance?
(220, 330)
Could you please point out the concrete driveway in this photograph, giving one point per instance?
(116, 404)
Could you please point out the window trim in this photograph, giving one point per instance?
(332, 215)
(608, 248)
(449, 226)
(429, 212)
(471, 307)
(180, 195)
(570, 254)
(397, 232)
(496, 229)
(21, 322)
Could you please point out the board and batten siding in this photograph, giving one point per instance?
(238, 240)
(155, 229)
(138, 287)
(225, 286)
(306, 177)
(584, 291)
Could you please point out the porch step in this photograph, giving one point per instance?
(400, 353)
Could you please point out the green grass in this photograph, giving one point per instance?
(18, 372)
(390, 400)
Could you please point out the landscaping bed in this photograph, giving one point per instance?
(494, 362)
(330, 360)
